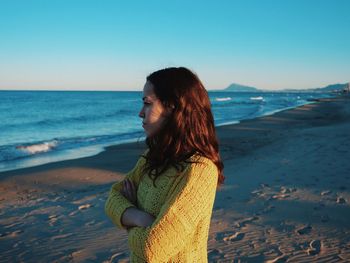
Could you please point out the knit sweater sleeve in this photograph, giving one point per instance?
(116, 203)
(190, 199)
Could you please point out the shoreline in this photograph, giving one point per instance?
(294, 158)
(100, 148)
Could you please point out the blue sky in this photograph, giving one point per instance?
(114, 45)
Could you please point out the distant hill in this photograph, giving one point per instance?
(234, 87)
(332, 88)
(328, 88)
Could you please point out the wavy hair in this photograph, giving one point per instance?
(190, 127)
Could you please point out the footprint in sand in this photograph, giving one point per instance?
(52, 219)
(304, 230)
(235, 237)
(118, 257)
(61, 236)
(319, 207)
(325, 218)
(267, 209)
(283, 193)
(314, 247)
(341, 200)
(215, 254)
(279, 259)
(243, 222)
(17, 244)
(83, 207)
(11, 234)
(286, 190)
(73, 213)
(327, 192)
(256, 192)
(91, 223)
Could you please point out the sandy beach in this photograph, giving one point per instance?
(286, 196)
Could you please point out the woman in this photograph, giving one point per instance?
(166, 201)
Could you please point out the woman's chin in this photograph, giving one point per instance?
(148, 135)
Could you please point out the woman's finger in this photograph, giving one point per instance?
(127, 186)
(132, 187)
(122, 190)
(131, 191)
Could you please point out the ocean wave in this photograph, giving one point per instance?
(63, 121)
(237, 103)
(258, 98)
(38, 148)
(23, 150)
(223, 99)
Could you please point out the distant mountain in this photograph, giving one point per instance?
(333, 88)
(234, 87)
(329, 88)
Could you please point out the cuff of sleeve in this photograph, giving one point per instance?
(134, 238)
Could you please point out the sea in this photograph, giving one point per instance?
(38, 127)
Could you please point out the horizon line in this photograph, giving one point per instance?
(139, 90)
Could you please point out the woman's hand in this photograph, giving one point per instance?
(132, 215)
(136, 217)
(145, 219)
(129, 191)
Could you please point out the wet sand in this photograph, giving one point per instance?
(286, 196)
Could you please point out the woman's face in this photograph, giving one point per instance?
(153, 113)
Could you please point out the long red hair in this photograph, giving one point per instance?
(190, 127)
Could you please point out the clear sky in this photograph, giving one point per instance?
(114, 45)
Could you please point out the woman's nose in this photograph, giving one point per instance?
(142, 113)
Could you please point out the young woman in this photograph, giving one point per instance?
(166, 201)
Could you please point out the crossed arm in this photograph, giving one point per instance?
(190, 200)
(132, 215)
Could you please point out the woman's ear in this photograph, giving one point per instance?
(169, 110)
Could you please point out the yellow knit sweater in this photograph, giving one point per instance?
(182, 204)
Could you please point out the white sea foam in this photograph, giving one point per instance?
(223, 99)
(257, 98)
(38, 148)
